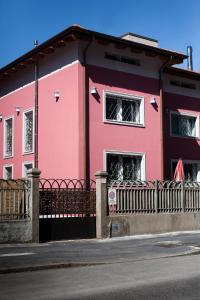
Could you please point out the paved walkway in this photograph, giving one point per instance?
(27, 257)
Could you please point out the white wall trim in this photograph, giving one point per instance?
(4, 169)
(4, 136)
(189, 114)
(26, 163)
(41, 78)
(142, 154)
(23, 130)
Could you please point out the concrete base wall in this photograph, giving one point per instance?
(156, 223)
(13, 231)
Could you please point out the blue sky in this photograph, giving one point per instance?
(175, 23)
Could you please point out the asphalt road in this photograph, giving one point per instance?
(94, 251)
(156, 267)
(164, 278)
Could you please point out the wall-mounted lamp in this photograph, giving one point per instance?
(1, 118)
(153, 100)
(93, 91)
(56, 95)
(17, 109)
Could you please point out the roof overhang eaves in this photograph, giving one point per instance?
(183, 73)
(178, 57)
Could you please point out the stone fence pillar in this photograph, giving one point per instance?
(101, 205)
(34, 176)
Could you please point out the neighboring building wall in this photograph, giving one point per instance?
(116, 137)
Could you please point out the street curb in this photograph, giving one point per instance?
(46, 267)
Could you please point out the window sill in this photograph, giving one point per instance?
(7, 157)
(27, 153)
(124, 123)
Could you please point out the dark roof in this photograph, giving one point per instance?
(88, 34)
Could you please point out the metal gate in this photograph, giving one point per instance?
(67, 209)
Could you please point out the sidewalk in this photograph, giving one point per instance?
(76, 253)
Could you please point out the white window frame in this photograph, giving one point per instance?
(23, 166)
(187, 115)
(23, 131)
(142, 155)
(186, 161)
(4, 170)
(4, 137)
(128, 96)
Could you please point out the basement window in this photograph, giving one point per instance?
(123, 59)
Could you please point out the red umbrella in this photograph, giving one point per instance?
(179, 171)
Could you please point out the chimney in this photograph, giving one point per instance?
(140, 39)
(189, 59)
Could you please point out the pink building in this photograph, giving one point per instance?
(85, 101)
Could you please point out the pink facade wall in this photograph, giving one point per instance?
(58, 125)
(24, 98)
(176, 147)
(121, 137)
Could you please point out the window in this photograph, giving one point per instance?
(124, 109)
(184, 125)
(125, 166)
(8, 137)
(8, 172)
(28, 132)
(123, 59)
(25, 167)
(191, 170)
(183, 84)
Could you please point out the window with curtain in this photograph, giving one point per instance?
(183, 125)
(123, 167)
(122, 109)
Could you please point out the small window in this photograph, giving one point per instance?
(28, 132)
(8, 172)
(123, 109)
(26, 166)
(123, 59)
(124, 166)
(184, 125)
(191, 170)
(183, 84)
(8, 137)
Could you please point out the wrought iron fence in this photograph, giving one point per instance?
(154, 197)
(14, 199)
(63, 198)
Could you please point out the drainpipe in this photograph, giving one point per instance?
(86, 161)
(36, 111)
(162, 115)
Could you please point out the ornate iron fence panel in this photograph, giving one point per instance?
(63, 198)
(14, 199)
(155, 197)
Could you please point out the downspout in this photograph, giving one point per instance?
(86, 160)
(162, 116)
(36, 67)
